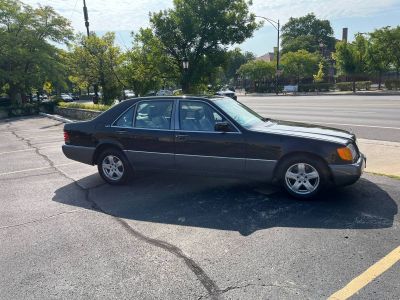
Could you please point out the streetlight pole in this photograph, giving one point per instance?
(277, 26)
(185, 85)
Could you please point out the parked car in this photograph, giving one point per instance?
(213, 136)
(66, 98)
(74, 96)
(227, 93)
(164, 93)
(5, 101)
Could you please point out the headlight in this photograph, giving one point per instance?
(348, 153)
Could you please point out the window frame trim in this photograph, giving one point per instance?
(178, 125)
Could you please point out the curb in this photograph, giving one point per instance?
(56, 117)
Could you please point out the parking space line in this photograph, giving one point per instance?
(370, 274)
(29, 149)
(36, 169)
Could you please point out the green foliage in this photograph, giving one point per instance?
(97, 107)
(363, 85)
(192, 29)
(300, 65)
(146, 66)
(316, 87)
(348, 86)
(95, 61)
(344, 86)
(28, 56)
(306, 33)
(319, 77)
(351, 58)
(257, 70)
(391, 84)
(234, 60)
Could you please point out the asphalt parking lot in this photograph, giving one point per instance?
(64, 234)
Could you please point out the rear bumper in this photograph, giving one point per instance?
(79, 153)
(348, 174)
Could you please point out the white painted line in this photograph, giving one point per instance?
(16, 151)
(36, 169)
(30, 149)
(356, 125)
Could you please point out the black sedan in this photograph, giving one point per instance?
(213, 136)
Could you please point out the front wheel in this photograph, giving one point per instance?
(113, 167)
(303, 177)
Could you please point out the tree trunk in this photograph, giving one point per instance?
(354, 85)
(380, 80)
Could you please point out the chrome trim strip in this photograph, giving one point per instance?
(78, 147)
(195, 155)
(152, 129)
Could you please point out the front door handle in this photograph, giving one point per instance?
(121, 131)
(181, 137)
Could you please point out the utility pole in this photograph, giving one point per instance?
(85, 14)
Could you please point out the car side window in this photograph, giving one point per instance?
(154, 115)
(198, 116)
(126, 120)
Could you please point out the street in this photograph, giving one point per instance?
(66, 234)
(369, 116)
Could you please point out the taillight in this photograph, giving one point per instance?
(66, 137)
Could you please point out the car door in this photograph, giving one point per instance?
(199, 148)
(146, 133)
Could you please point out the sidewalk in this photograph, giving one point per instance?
(382, 157)
(331, 93)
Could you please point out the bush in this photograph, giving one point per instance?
(348, 86)
(89, 106)
(363, 85)
(315, 87)
(392, 84)
(344, 86)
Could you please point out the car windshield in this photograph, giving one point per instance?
(240, 113)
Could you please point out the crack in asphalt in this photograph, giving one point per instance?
(213, 290)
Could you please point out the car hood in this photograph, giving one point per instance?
(305, 130)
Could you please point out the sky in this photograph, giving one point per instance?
(125, 16)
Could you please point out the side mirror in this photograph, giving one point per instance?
(222, 127)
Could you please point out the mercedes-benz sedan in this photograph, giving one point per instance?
(213, 136)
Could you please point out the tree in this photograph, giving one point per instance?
(319, 77)
(306, 33)
(351, 58)
(94, 61)
(301, 64)
(257, 71)
(386, 44)
(377, 56)
(28, 59)
(234, 59)
(146, 66)
(195, 28)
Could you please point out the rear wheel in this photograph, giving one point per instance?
(303, 177)
(113, 166)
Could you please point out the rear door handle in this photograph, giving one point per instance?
(181, 137)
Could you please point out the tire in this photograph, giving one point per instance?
(114, 167)
(302, 176)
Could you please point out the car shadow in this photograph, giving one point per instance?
(235, 205)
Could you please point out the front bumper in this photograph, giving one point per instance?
(79, 153)
(348, 174)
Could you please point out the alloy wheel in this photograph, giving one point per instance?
(302, 178)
